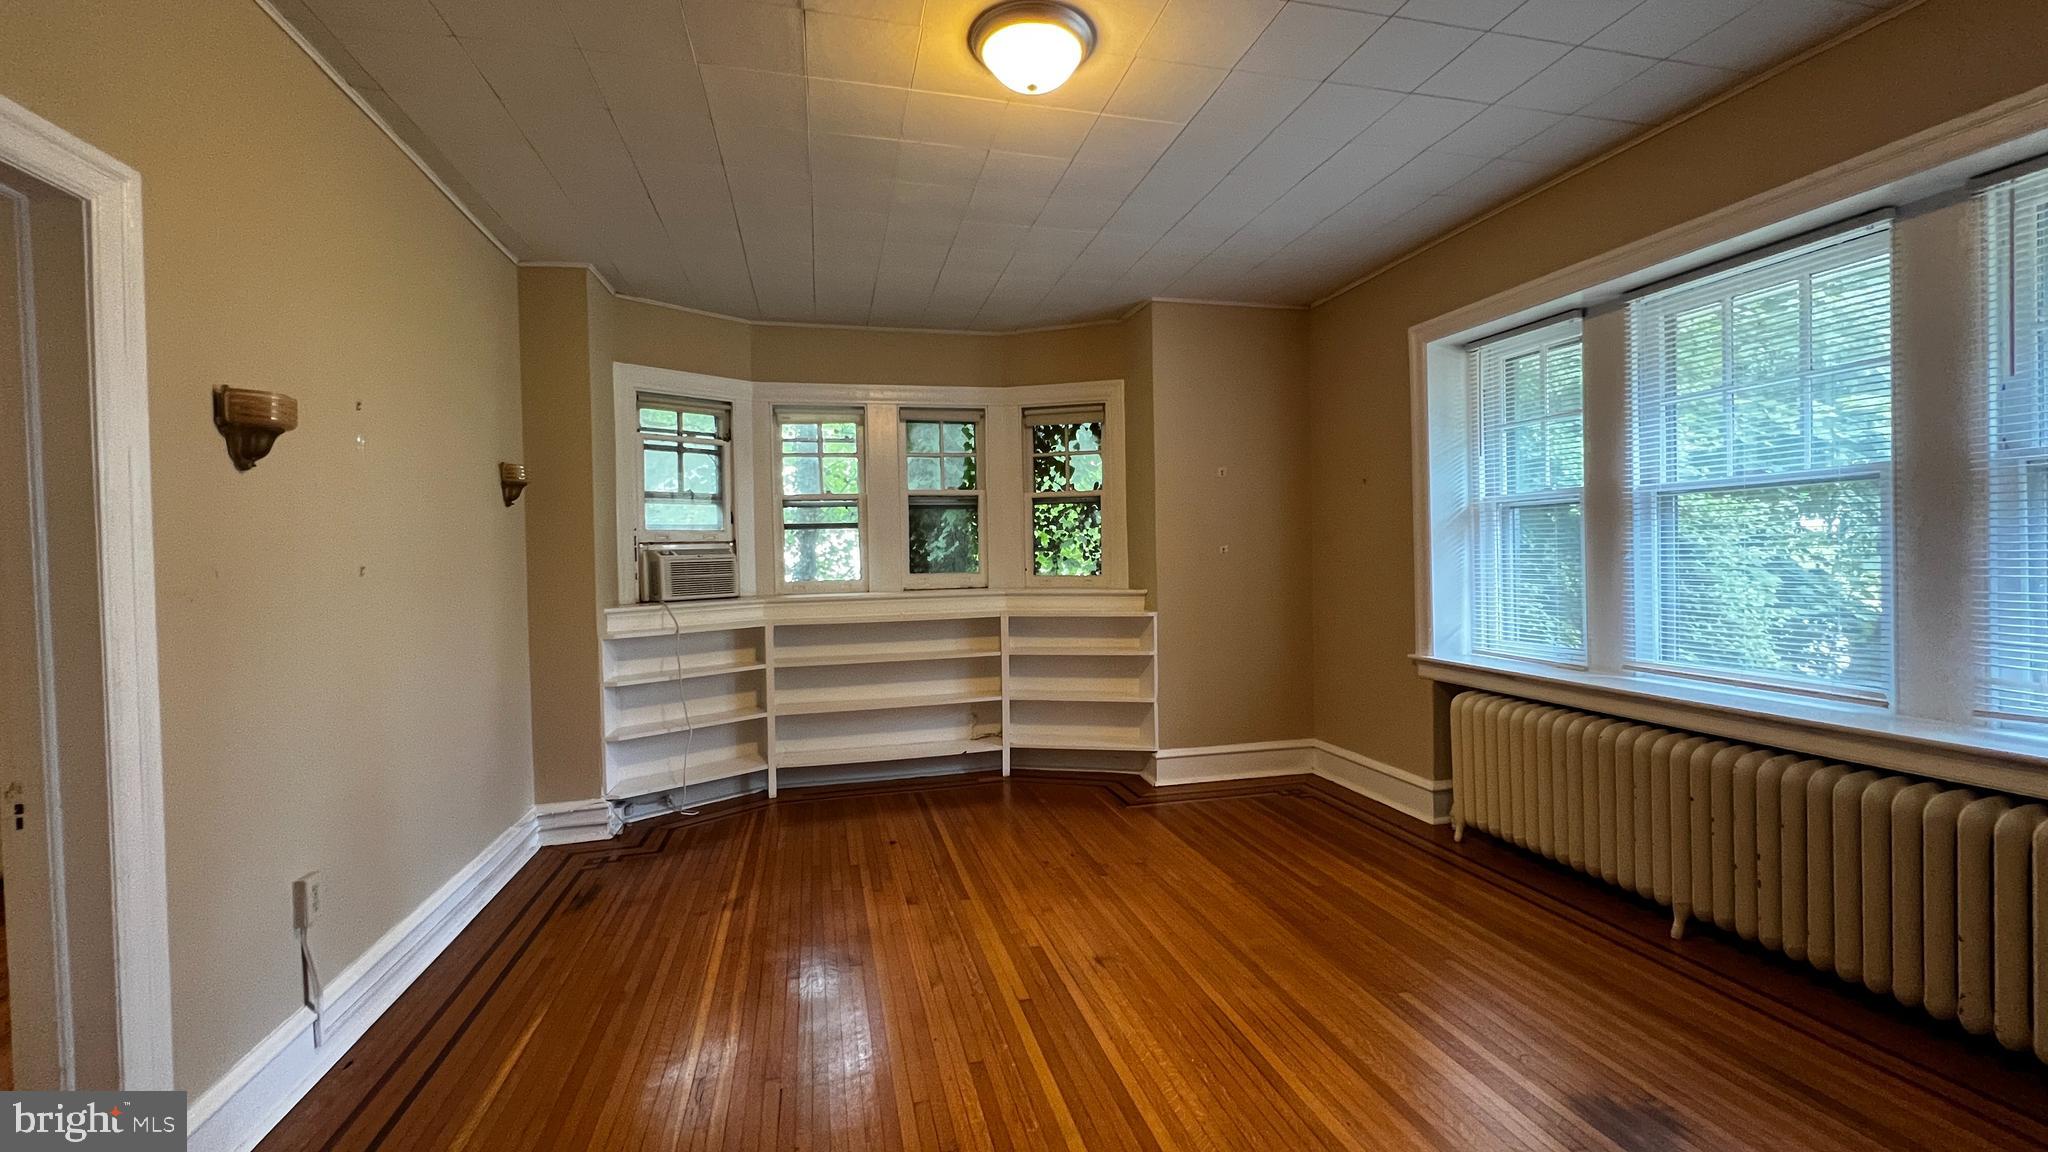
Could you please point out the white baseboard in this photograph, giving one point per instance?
(242, 1106)
(1423, 799)
(1172, 766)
(1418, 796)
(576, 821)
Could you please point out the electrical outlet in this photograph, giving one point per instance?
(306, 894)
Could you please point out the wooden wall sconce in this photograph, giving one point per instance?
(511, 481)
(251, 422)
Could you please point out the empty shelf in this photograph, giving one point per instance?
(679, 724)
(878, 703)
(1078, 696)
(670, 676)
(1071, 648)
(1029, 740)
(897, 655)
(871, 753)
(705, 773)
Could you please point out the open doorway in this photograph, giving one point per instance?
(84, 949)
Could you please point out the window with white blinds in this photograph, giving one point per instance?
(1527, 463)
(1759, 474)
(2012, 593)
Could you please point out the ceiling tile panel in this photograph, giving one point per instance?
(1309, 41)
(763, 36)
(1492, 67)
(850, 161)
(850, 48)
(1212, 33)
(1403, 54)
(1467, 13)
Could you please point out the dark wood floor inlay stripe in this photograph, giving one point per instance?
(1082, 962)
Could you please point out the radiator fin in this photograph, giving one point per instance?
(1932, 894)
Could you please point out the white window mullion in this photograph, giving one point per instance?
(1607, 512)
(1937, 416)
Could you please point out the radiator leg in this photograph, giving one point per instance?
(1678, 927)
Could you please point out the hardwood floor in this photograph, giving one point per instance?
(1053, 962)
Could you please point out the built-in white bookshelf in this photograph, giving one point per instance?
(857, 686)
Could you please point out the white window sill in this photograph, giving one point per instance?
(1851, 733)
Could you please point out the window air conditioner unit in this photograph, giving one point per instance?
(688, 572)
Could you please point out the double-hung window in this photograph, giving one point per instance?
(685, 468)
(2012, 457)
(942, 476)
(1760, 448)
(1527, 472)
(819, 453)
(1065, 483)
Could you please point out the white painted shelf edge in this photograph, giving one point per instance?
(655, 782)
(679, 724)
(1077, 696)
(872, 753)
(786, 707)
(671, 677)
(900, 656)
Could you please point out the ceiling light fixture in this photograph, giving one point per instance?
(1032, 46)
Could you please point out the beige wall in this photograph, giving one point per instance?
(342, 631)
(1229, 401)
(1930, 64)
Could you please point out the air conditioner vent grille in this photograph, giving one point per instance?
(686, 572)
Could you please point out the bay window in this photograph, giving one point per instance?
(685, 468)
(821, 499)
(942, 481)
(1065, 482)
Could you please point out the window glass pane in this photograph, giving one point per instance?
(675, 515)
(1785, 581)
(1525, 386)
(799, 431)
(700, 473)
(1540, 549)
(658, 419)
(702, 423)
(842, 475)
(1769, 432)
(959, 437)
(1696, 349)
(659, 469)
(820, 555)
(922, 436)
(922, 473)
(821, 514)
(945, 538)
(958, 472)
(1765, 327)
(800, 476)
(1066, 537)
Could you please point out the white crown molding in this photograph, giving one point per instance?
(377, 119)
(242, 1106)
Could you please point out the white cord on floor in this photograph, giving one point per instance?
(310, 979)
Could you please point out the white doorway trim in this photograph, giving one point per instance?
(112, 193)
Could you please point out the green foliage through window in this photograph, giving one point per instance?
(1066, 504)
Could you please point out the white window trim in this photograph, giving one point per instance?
(1541, 336)
(923, 580)
(756, 471)
(1922, 731)
(627, 386)
(823, 414)
(644, 534)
